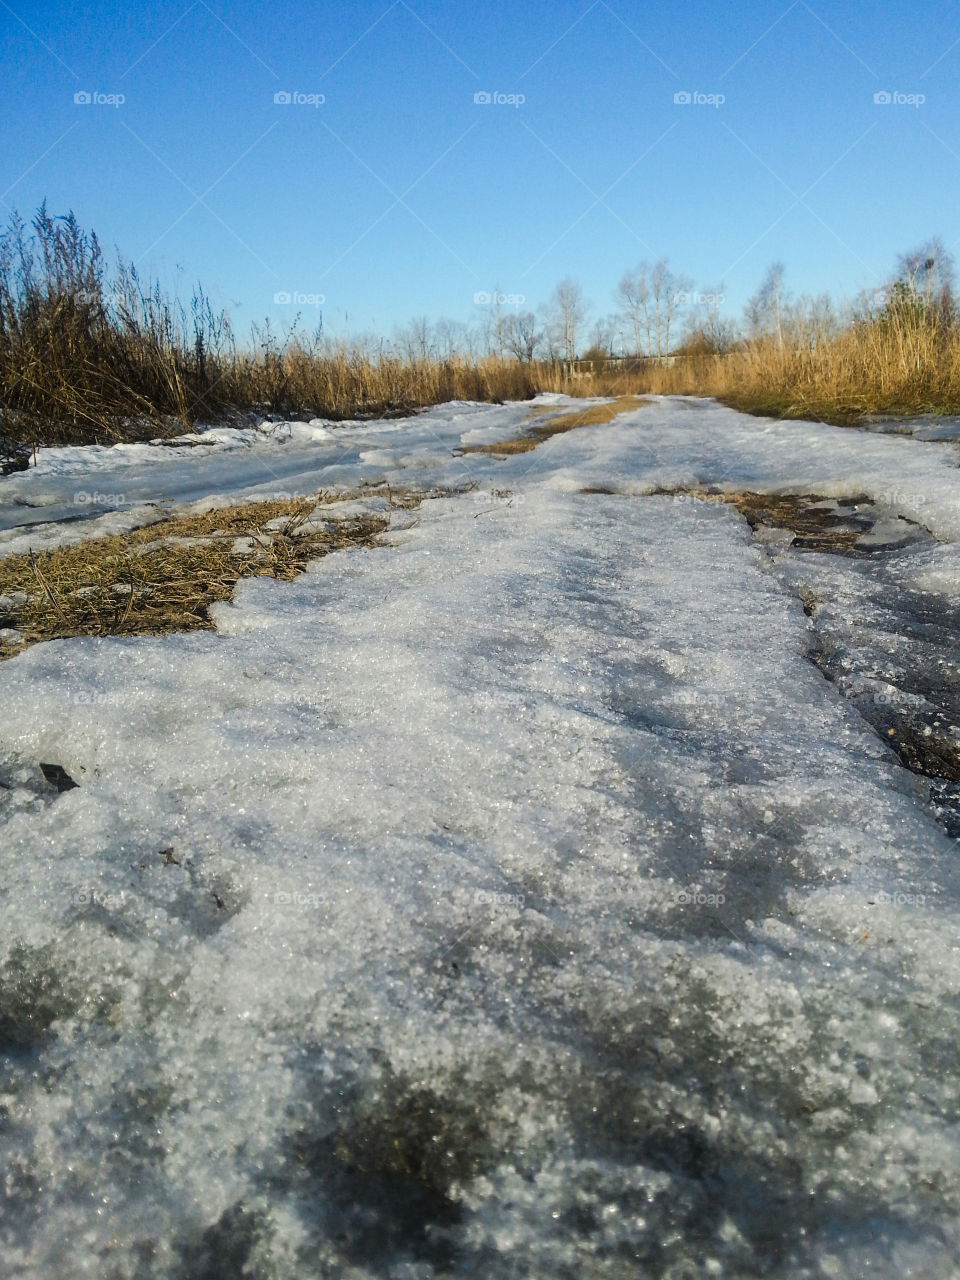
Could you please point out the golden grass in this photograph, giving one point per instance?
(91, 354)
(553, 422)
(894, 365)
(164, 578)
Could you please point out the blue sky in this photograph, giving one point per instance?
(401, 195)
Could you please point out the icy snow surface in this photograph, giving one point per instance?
(515, 899)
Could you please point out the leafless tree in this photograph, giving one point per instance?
(764, 312)
(521, 335)
(450, 337)
(707, 329)
(633, 296)
(495, 320)
(670, 293)
(413, 338)
(651, 299)
(929, 273)
(565, 314)
(603, 334)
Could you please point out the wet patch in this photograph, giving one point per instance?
(888, 647)
(851, 525)
(390, 1167)
(34, 994)
(222, 1251)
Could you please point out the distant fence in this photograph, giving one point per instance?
(622, 364)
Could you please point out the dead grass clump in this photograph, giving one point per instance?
(165, 577)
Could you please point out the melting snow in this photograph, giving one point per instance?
(514, 899)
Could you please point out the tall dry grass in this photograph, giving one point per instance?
(902, 359)
(90, 353)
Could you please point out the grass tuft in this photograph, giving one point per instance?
(165, 577)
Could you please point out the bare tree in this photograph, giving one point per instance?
(651, 299)
(670, 293)
(565, 313)
(521, 335)
(765, 310)
(450, 337)
(707, 330)
(633, 295)
(603, 334)
(929, 274)
(413, 338)
(495, 323)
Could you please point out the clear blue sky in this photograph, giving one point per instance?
(401, 195)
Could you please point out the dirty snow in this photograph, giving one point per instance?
(513, 899)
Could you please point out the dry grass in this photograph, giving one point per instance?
(554, 422)
(900, 364)
(90, 354)
(164, 578)
(818, 524)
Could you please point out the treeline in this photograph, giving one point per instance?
(659, 312)
(93, 353)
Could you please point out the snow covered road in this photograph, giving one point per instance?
(516, 899)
